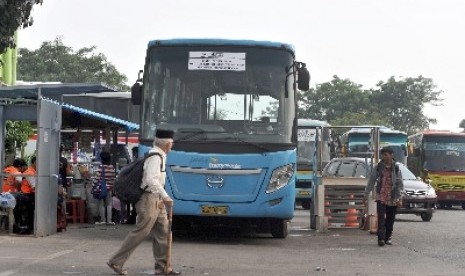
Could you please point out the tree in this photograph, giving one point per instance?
(54, 61)
(340, 102)
(17, 135)
(13, 15)
(271, 110)
(402, 102)
(462, 124)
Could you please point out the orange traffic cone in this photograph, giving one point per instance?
(374, 225)
(328, 211)
(351, 217)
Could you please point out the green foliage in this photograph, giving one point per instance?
(356, 119)
(17, 134)
(13, 15)
(462, 123)
(402, 102)
(396, 103)
(339, 102)
(54, 61)
(271, 110)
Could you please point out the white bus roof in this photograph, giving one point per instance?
(311, 123)
(382, 129)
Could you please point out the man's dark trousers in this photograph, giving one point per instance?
(386, 217)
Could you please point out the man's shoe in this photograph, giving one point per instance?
(388, 242)
(172, 272)
(117, 269)
(381, 242)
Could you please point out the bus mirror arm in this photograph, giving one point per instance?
(139, 78)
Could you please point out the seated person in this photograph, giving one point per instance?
(11, 181)
(28, 185)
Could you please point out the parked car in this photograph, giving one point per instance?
(419, 197)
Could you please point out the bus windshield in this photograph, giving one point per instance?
(219, 93)
(305, 152)
(441, 156)
(307, 147)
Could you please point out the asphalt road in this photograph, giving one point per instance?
(443, 238)
(420, 248)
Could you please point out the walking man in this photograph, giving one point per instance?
(387, 179)
(151, 213)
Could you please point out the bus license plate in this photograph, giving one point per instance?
(304, 193)
(214, 210)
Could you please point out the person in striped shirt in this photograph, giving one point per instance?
(104, 206)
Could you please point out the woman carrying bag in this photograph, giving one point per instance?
(102, 186)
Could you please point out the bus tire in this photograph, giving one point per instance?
(279, 228)
(426, 216)
(463, 205)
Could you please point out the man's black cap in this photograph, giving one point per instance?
(164, 134)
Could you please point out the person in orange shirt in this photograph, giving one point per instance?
(12, 183)
(28, 183)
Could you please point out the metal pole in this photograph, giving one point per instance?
(2, 136)
(169, 240)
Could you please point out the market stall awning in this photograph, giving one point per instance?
(53, 90)
(71, 118)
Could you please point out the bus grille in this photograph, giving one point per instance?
(303, 184)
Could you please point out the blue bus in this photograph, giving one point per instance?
(232, 105)
(357, 141)
(309, 158)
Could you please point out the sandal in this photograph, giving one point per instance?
(117, 269)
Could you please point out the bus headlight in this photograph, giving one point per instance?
(280, 178)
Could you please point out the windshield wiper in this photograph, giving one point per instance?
(194, 133)
(258, 146)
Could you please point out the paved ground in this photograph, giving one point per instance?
(419, 249)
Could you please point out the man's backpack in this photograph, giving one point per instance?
(127, 183)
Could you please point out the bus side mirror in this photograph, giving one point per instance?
(303, 77)
(136, 93)
(136, 90)
(404, 149)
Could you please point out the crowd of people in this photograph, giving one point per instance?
(20, 180)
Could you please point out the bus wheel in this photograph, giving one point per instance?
(463, 205)
(279, 228)
(306, 204)
(426, 216)
(448, 206)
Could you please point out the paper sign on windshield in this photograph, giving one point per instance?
(306, 135)
(216, 61)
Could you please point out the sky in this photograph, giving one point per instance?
(366, 41)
